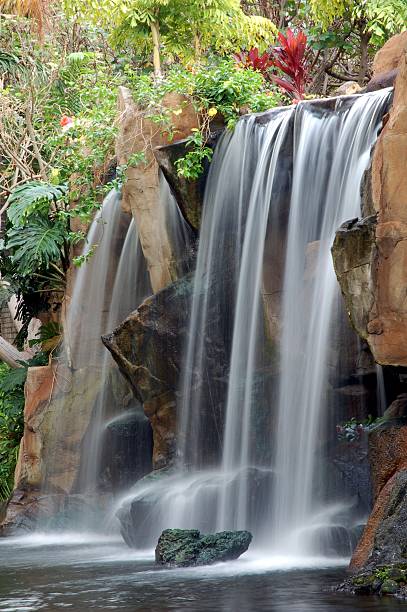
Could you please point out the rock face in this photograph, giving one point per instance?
(187, 547)
(370, 256)
(141, 346)
(148, 348)
(385, 537)
(389, 56)
(140, 194)
(189, 193)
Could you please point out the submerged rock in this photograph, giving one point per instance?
(187, 547)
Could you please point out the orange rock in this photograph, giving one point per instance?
(389, 55)
(140, 193)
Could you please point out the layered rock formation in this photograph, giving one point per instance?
(370, 255)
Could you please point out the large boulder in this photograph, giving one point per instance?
(141, 346)
(148, 348)
(187, 547)
(188, 193)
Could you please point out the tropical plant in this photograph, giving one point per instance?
(30, 198)
(11, 423)
(290, 58)
(184, 28)
(35, 9)
(253, 59)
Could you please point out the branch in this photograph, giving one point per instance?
(10, 355)
(37, 153)
(340, 77)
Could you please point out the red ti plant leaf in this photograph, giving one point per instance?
(252, 59)
(290, 58)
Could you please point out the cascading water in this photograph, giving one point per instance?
(330, 156)
(107, 288)
(178, 231)
(231, 471)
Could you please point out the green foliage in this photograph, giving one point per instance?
(36, 245)
(8, 63)
(32, 197)
(381, 18)
(186, 27)
(192, 165)
(11, 423)
(218, 88)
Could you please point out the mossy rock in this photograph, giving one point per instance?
(187, 547)
(389, 587)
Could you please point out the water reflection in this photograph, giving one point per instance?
(42, 573)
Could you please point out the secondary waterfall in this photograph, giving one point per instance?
(107, 287)
(253, 399)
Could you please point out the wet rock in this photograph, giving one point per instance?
(351, 460)
(188, 193)
(389, 587)
(127, 450)
(353, 253)
(187, 547)
(148, 347)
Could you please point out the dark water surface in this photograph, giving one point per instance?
(68, 572)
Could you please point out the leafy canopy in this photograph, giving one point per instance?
(186, 27)
(381, 18)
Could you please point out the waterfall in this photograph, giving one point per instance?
(178, 231)
(108, 286)
(253, 398)
(330, 156)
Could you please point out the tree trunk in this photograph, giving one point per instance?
(364, 43)
(155, 31)
(10, 355)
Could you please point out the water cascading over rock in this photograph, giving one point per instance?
(264, 378)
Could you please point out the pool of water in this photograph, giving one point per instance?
(72, 572)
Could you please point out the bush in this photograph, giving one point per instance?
(11, 424)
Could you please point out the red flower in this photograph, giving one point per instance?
(66, 122)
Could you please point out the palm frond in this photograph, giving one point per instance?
(34, 9)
